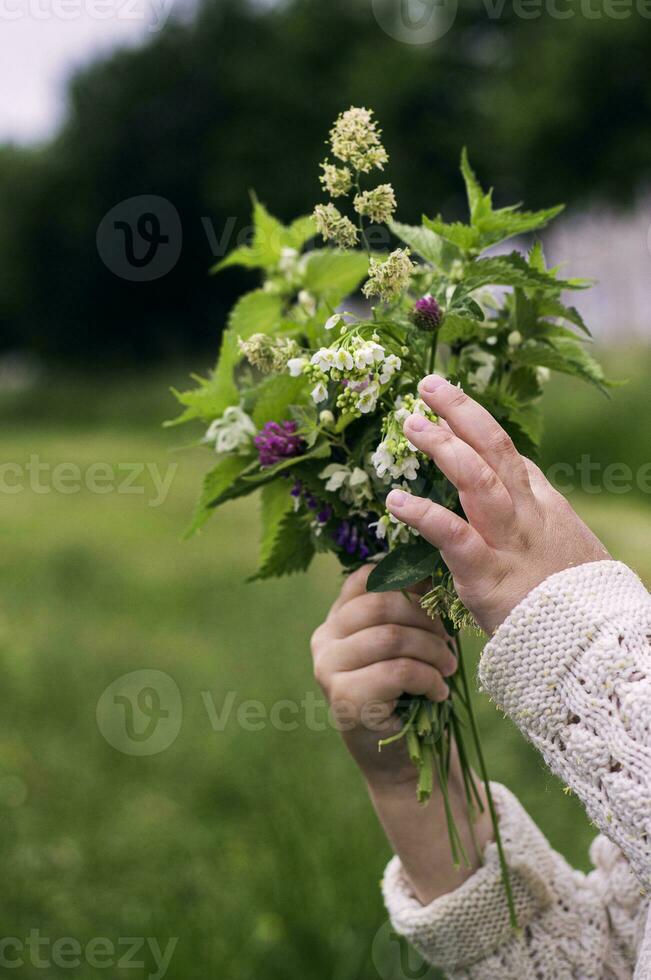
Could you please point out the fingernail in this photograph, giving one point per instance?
(432, 382)
(416, 423)
(397, 498)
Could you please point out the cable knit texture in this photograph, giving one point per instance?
(572, 667)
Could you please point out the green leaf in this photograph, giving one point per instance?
(218, 486)
(270, 237)
(498, 226)
(459, 328)
(277, 502)
(508, 270)
(404, 566)
(244, 256)
(565, 355)
(275, 395)
(332, 275)
(425, 243)
(299, 232)
(461, 236)
(291, 549)
(550, 306)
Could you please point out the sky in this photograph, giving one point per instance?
(43, 41)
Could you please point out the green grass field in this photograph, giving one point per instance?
(256, 849)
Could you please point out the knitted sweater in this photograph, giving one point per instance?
(572, 667)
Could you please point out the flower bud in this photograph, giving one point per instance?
(426, 313)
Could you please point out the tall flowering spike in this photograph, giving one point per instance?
(378, 205)
(332, 225)
(278, 441)
(388, 279)
(426, 313)
(355, 139)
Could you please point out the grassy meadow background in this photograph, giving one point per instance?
(258, 850)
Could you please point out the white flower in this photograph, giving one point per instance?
(480, 377)
(368, 399)
(353, 486)
(514, 339)
(382, 460)
(543, 375)
(307, 301)
(324, 359)
(326, 417)
(492, 340)
(381, 527)
(333, 321)
(319, 393)
(233, 430)
(409, 468)
(343, 360)
(288, 257)
(391, 364)
(295, 366)
(336, 475)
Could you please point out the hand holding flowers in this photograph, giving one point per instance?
(320, 409)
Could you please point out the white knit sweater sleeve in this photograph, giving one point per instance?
(572, 666)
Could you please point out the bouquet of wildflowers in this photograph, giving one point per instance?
(308, 398)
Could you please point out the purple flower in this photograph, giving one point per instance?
(354, 540)
(278, 441)
(426, 313)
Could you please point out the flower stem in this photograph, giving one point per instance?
(489, 796)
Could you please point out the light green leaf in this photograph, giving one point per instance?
(218, 486)
(291, 550)
(508, 270)
(275, 395)
(461, 236)
(427, 244)
(333, 275)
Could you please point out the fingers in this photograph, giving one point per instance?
(354, 585)
(463, 548)
(486, 501)
(478, 429)
(388, 642)
(386, 682)
(375, 609)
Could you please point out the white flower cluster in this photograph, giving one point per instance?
(362, 366)
(355, 141)
(389, 278)
(395, 457)
(353, 485)
(232, 431)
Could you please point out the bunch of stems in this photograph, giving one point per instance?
(431, 731)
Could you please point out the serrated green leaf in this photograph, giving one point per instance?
(299, 232)
(508, 270)
(564, 355)
(276, 502)
(332, 275)
(404, 566)
(427, 244)
(274, 396)
(461, 236)
(459, 328)
(550, 306)
(292, 549)
(218, 486)
(499, 226)
(479, 203)
(243, 256)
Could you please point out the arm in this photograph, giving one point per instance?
(562, 643)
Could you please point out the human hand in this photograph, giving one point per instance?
(373, 648)
(519, 529)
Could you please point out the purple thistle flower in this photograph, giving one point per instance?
(426, 313)
(278, 441)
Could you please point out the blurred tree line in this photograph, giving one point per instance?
(242, 97)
